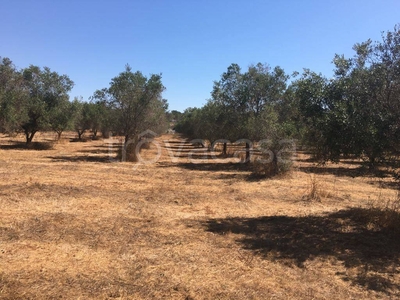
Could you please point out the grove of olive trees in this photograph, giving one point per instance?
(354, 113)
(35, 99)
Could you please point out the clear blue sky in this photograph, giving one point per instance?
(190, 42)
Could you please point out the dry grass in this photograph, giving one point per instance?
(316, 190)
(77, 224)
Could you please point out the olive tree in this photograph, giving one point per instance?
(12, 97)
(30, 97)
(248, 100)
(137, 105)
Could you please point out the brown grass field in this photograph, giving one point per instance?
(75, 224)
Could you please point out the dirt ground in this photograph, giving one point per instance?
(77, 224)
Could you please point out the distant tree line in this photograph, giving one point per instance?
(36, 99)
(354, 113)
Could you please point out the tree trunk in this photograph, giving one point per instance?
(275, 163)
(59, 135)
(80, 133)
(29, 136)
(129, 152)
(224, 149)
(247, 160)
(105, 134)
(372, 163)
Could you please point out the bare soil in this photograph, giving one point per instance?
(77, 224)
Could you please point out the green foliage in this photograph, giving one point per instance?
(46, 90)
(103, 115)
(62, 117)
(243, 106)
(82, 116)
(190, 122)
(11, 93)
(135, 103)
(358, 111)
(174, 116)
(309, 95)
(29, 98)
(276, 157)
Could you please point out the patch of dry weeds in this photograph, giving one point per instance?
(74, 223)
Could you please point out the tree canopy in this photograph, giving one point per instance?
(355, 112)
(31, 98)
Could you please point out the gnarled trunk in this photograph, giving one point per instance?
(80, 133)
(59, 132)
(29, 136)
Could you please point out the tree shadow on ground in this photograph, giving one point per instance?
(392, 185)
(81, 140)
(111, 151)
(24, 146)
(345, 172)
(85, 158)
(108, 146)
(216, 167)
(347, 235)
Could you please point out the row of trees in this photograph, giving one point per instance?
(243, 105)
(31, 98)
(36, 99)
(356, 112)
